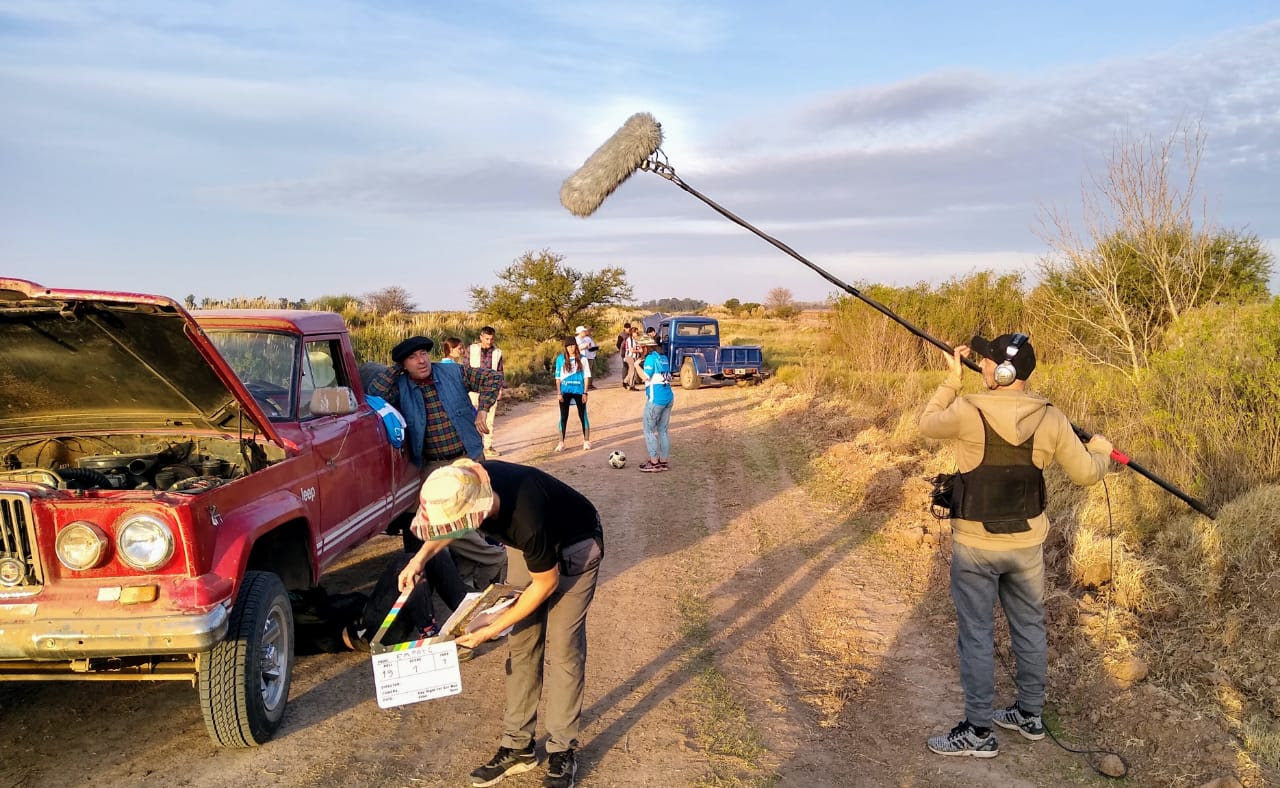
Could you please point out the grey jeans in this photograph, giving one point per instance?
(1016, 577)
(551, 646)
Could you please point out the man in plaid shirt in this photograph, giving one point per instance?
(442, 426)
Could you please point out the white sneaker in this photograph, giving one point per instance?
(559, 446)
(586, 445)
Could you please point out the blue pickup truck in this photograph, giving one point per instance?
(692, 346)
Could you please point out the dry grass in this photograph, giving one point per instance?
(1226, 634)
(1137, 574)
(1098, 560)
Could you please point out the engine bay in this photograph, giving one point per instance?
(182, 464)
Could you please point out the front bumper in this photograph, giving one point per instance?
(86, 638)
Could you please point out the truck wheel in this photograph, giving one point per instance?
(689, 378)
(244, 680)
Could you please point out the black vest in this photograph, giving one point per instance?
(1005, 490)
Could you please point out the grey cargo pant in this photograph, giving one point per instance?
(548, 654)
(978, 577)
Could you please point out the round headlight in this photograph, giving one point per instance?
(12, 572)
(81, 545)
(145, 542)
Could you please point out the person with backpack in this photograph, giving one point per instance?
(1003, 438)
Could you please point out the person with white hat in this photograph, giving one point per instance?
(587, 344)
(555, 543)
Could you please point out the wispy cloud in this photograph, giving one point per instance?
(1009, 138)
(910, 101)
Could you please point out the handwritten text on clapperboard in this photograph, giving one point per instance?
(420, 673)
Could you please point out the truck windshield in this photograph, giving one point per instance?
(696, 330)
(264, 362)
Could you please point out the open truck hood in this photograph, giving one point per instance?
(80, 360)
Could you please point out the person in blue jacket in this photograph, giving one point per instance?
(571, 386)
(441, 427)
(655, 371)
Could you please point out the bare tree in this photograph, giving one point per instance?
(388, 300)
(1143, 253)
(780, 302)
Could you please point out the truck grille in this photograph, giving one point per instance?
(18, 545)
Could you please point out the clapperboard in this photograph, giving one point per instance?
(419, 670)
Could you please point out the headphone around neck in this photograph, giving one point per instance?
(1006, 373)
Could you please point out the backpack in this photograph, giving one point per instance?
(391, 419)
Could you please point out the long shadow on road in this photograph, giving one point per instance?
(776, 579)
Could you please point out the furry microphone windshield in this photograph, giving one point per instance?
(611, 164)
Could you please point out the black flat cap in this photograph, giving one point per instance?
(410, 346)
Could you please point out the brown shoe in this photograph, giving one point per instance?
(352, 640)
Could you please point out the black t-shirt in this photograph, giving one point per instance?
(538, 514)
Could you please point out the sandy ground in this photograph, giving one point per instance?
(742, 634)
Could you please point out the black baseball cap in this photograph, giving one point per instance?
(1024, 361)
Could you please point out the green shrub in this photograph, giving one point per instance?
(1210, 397)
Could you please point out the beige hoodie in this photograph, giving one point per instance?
(1015, 416)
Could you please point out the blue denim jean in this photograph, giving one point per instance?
(1016, 577)
(655, 420)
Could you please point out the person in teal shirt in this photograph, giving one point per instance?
(571, 386)
(452, 350)
(655, 371)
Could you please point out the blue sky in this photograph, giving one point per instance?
(299, 149)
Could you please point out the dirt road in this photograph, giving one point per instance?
(744, 633)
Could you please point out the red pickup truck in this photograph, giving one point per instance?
(165, 476)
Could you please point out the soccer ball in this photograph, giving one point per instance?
(617, 459)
